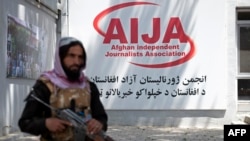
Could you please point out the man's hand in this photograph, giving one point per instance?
(56, 125)
(94, 126)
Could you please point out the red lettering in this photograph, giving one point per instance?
(134, 30)
(156, 32)
(111, 35)
(174, 31)
(169, 34)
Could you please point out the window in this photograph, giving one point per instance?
(244, 89)
(243, 24)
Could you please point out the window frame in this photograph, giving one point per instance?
(239, 24)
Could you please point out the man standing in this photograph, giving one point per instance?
(65, 86)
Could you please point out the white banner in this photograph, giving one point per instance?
(153, 54)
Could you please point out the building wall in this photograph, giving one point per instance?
(14, 91)
(198, 118)
(184, 117)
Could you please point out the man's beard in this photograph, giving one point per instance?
(72, 75)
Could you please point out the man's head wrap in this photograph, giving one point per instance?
(57, 75)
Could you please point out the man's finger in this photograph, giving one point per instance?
(66, 122)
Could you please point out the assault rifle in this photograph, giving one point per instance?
(79, 123)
